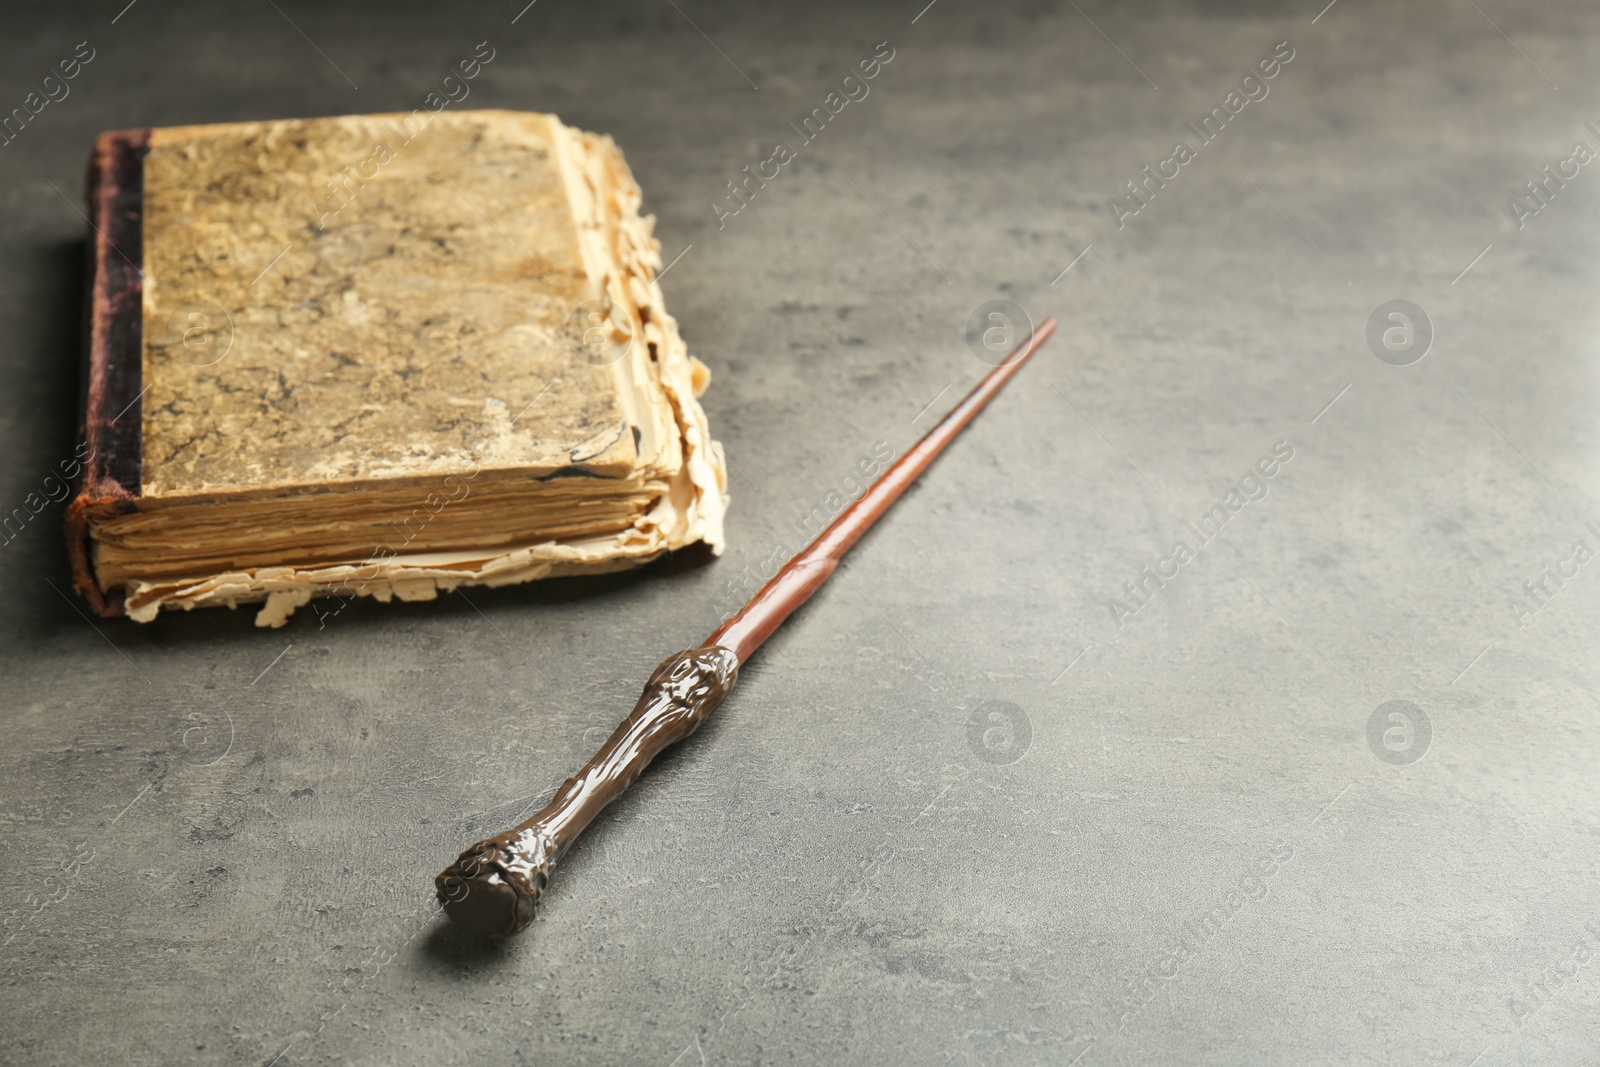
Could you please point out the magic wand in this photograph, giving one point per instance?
(493, 886)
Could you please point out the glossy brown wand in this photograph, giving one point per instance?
(493, 887)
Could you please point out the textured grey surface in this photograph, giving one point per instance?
(218, 842)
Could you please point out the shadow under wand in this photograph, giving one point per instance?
(493, 887)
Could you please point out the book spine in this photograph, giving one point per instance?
(112, 434)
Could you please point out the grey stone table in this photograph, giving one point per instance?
(1226, 695)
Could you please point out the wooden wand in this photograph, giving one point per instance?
(493, 886)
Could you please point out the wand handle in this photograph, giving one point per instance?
(493, 887)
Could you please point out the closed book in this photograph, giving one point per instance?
(380, 355)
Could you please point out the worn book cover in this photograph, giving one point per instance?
(382, 355)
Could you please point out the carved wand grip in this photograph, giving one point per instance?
(493, 887)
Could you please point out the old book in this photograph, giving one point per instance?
(383, 355)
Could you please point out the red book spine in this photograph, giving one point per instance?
(111, 441)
